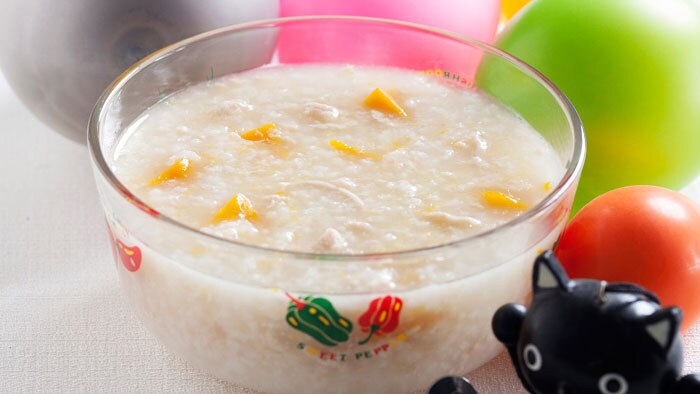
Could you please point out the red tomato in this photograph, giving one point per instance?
(646, 235)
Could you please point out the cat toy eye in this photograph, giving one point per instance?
(612, 383)
(532, 357)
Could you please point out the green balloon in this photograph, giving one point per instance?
(632, 70)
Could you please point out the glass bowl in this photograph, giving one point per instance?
(246, 313)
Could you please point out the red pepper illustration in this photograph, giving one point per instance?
(381, 318)
(130, 256)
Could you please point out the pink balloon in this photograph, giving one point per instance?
(372, 44)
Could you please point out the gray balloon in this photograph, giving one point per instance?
(59, 55)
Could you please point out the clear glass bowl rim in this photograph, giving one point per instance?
(573, 169)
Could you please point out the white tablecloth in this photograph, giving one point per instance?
(64, 324)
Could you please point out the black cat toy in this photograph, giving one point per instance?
(587, 336)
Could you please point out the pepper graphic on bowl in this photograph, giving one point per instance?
(316, 317)
(381, 318)
(130, 256)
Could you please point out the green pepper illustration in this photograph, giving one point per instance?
(316, 317)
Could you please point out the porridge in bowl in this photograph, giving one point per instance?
(346, 181)
(333, 159)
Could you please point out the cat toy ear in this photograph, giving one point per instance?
(548, 273)
(662, 326)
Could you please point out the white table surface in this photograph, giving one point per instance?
(64, 324)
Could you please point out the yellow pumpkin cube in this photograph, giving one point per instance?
(178, 170)
(239, 207)
(501, 200)
(262, 133)
(381, 101)
(343, 147)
